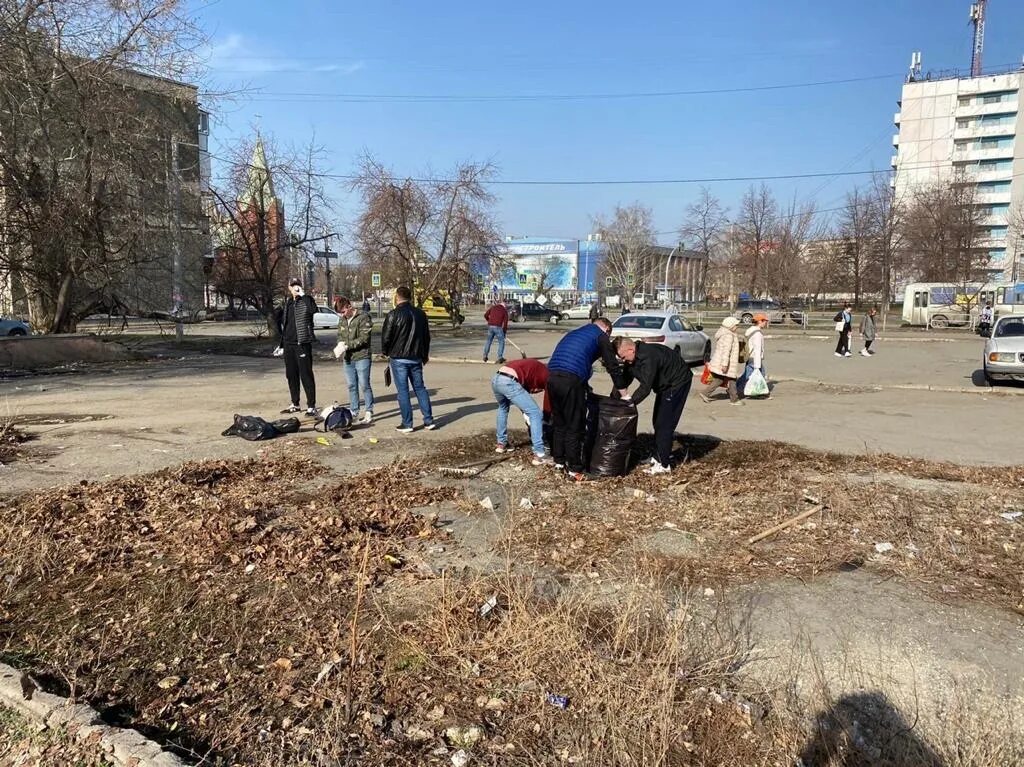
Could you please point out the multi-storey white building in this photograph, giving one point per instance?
(974, 126)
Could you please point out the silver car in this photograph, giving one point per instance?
(668, 329)
(1004, 351)
(9, 327)
(325, 318)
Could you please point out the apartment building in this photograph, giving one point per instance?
(950, 125)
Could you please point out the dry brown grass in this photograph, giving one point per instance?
(217, 606)
(22, 744)
(12, 441)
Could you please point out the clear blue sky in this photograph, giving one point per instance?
(559, 47)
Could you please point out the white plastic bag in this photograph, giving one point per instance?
(756, 385)
(840, 326)
(340, 349)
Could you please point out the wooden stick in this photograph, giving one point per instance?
(783, 525)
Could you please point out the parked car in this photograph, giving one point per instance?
(1004, 351)
(577, 312)
(668, 329)
(746, 309)
(325, 318)
(538, 312)
(12, 327)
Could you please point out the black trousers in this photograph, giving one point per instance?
(868, 342)
(668, 409)
(298, 366)
(568, 397)
(844, 342)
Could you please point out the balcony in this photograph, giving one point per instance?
(974, 110)
(896, 140)
(894, 161)
(975, 155)
(896, 118)
(979, 131)
(992, 198)
(987, 175)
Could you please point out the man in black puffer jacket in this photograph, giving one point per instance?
(295, 325)
(405, 340)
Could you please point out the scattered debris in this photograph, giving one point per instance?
(485, 609)
(487, 503)
(884, 547)
(525, 503)
(562, 701)
(1010, 516)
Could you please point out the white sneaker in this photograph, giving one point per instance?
(368, 417)
(429, 426)
(657, 468)
(404, 429)
(847, 355)
(501, 449)
(542, 460)
(865, 353)
(838, 354)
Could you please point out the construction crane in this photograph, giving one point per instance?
(978, 20)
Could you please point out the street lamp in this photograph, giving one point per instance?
(668, 261)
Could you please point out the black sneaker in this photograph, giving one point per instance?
(502, 360)
(291, 409)
(312, 412)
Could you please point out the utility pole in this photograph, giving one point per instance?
(327, 254)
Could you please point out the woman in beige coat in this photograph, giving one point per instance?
(725, 362)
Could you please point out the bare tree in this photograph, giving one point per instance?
(629, 241)
(439, 234)
(702, 230)
(755, 226)
(859, 235)
(92, 149)
(783, 260)
(255, 244)
(888, 212)
(1015, 241)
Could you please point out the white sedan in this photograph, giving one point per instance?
(668, 329)
(1004, 351)
(325, 318)
(578, 312)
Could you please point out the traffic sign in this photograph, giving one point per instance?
(590, 286)
(375, 279)
(630, 279)
(609, 282)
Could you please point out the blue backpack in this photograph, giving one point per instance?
(335, 418)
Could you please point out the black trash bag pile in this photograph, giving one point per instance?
(252, 427)
(611, 432)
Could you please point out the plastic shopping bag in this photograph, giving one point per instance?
(705, 377)
(756, 385)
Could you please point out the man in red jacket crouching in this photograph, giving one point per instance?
(514, 384)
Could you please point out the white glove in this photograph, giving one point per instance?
(279, 351)
(340, 349)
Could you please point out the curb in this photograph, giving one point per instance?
(125, 748)
(986, 390)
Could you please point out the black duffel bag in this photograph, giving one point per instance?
(253, 428)
(613, 423)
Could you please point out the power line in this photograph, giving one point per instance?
(412, 98)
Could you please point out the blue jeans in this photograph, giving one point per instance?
(508, 392)
(404, 373)
(358, 376)
(492, 333)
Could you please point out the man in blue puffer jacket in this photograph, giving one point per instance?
(570, 368)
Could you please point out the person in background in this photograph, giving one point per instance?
(354, 335)
(755, 349)
(513, 384)
(868, 331)
(496, 317)
(405, 341)
(725, 362)
(295, 326)
(595, 311)
(569, 370)
(366, 304)
(661, 370)
(985, 317)
(845, 317)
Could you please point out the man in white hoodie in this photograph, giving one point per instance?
(755, 349)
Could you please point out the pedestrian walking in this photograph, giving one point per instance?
(366, 304)
(405, 341)
(355, 330)
(569, 370)
(755, 353)
(844, 326)
(661, 370)
(867, 331)
(595, 311)
(496, 317)
(724, 364)
(295, 326)
(514, 384)
(985, 317)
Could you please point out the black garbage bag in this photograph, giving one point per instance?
(252, 427)
(613, 434)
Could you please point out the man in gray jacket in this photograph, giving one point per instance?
(354, 333)
(867, 331)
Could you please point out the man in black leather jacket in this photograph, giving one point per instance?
(295, 326)
(405, 340)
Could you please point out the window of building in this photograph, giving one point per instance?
(963, 122)
(989, 187)
(994, 142)
(965, 101)
(995, 232)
